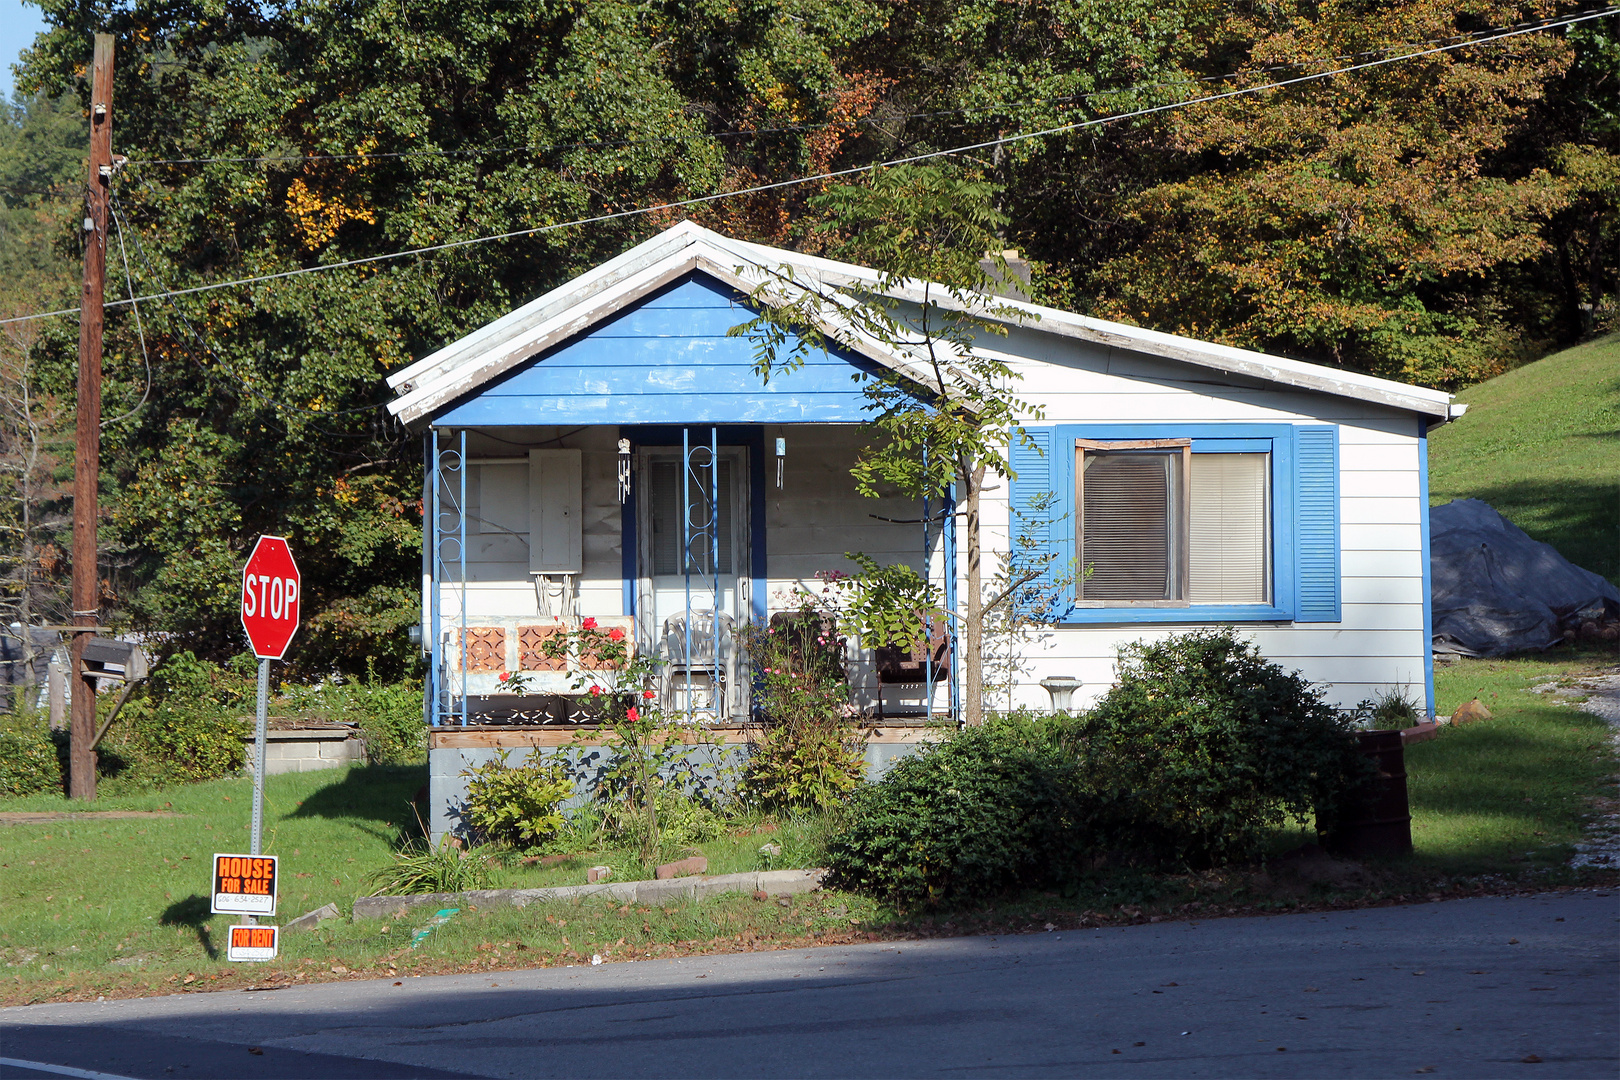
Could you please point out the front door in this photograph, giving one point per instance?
(696, 508)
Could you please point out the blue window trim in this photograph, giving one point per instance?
(1428, 585)
(1275, 439)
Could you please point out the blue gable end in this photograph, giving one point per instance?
(667, 360)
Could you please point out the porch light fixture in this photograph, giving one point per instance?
(624, 471)
(781, 456)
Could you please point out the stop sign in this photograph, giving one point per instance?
(270, 587)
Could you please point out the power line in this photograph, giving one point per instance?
(835, 174)
(1475, 37)
(240, 382)
(129, 285)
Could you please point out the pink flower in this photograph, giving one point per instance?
(615, 634)
(596, 691)
(648, 694)
(588, 624)
(631, 714)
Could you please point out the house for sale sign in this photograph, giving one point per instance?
(244, 885)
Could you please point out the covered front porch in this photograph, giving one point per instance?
(615, 455)
(536, 529)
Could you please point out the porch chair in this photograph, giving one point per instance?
(901, 667)
(711, 640)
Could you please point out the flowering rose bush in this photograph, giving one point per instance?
(810, 754)
(651, 772)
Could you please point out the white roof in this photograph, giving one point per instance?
(442, 377)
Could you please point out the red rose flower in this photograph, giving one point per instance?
(588, 624)
(615, 634)
(648, 694)
(631, 714)
(596, 691)
(505, 675)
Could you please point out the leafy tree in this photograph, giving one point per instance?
(42, 145)
(268, 138)
(1348, 220)
(930, 233)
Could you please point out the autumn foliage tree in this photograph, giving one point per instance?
(1350, 219)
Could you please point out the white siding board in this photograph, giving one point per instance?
(1382, 564)
(1355, 484)
(1371, 511)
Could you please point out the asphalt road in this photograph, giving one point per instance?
(1474, 988)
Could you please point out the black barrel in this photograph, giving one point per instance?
(1379, 822)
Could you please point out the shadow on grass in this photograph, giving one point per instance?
(194, 912)
(383, 794)
(1579, 518)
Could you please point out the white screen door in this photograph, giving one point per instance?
(665, 494)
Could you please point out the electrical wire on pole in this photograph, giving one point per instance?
(87, 445)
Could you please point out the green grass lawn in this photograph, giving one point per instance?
(124, 902)
(1542, 445)
(119, 907)
(1513, 790)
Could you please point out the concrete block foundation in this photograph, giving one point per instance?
(289, 750)
(715, 757)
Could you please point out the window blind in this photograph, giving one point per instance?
(1227, 533)
(1127, 538)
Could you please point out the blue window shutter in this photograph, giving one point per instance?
(1316, 460)
(1034, 467)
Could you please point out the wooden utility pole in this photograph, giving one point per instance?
(87, 455)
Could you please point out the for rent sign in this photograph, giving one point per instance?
(244, 885)
(251, 943)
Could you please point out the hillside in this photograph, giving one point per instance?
(1542, 445)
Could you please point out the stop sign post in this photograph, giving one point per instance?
(271, 591)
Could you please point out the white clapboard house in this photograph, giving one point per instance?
(576, 446)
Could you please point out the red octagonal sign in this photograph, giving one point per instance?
(270, 588)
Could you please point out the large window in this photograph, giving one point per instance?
(1179, 523)
(1158, 524)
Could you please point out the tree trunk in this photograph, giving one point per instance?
(973, 624)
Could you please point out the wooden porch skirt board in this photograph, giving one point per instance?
(513, 738)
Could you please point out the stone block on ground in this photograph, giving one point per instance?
(697, 864)
(663, 892)
(598, 873)
(1470, 712)
(1423, 732)
(768, 883)
(311, 919)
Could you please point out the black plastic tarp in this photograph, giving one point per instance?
(1496, 591)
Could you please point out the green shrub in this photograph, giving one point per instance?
(1213, 745)
(1201, 748)
(186, 745)
(28, 762)
(186, 728)
(1390, 708)
(804, 765)
(518, 806)
(420, 868)
(684, 821)
(390, 719)
(992, 808)
(389, 715)
(810, 754)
